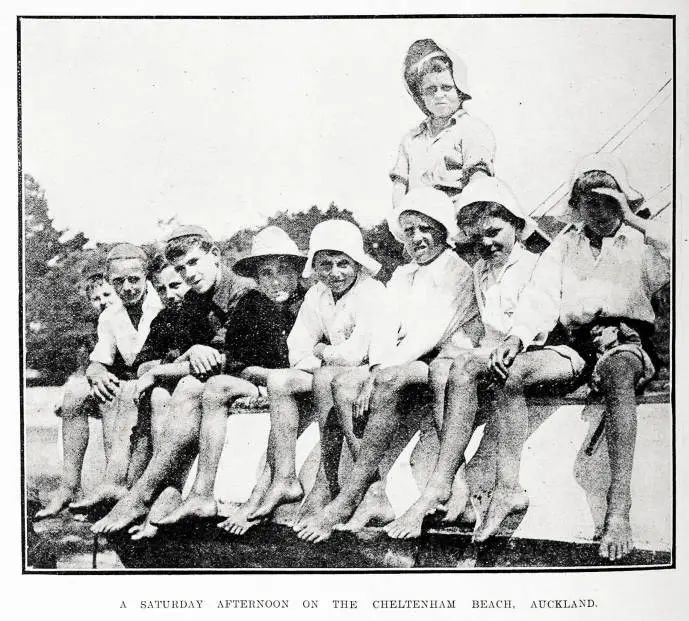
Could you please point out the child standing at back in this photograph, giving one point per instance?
(449, 147)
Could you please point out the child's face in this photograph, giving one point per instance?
(493, 237)
(170, 286)
(600, 213)
(424, 238)
(277, 278)
(335, 270)
(198, 268)
(128, 278)
(440, 94)
(102, 296)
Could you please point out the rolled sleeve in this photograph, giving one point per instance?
(106, 347)
(400, 171)
(305, 334)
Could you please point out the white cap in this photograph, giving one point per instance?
(612, 165)
(339, 236)
(430, 202)
(270, 242)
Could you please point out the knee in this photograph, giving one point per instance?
(618, 372)
(387, 380)
(219, 390)
(189, 387)
(465, 368)
(342, 389)
(280, 383)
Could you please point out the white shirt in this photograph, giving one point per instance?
(116, 332)
(427, 307)
(498, 292)
(352, 325)
(573, 286)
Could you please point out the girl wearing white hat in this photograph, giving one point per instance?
(431, 311)
(595, 280)
(337, 326)
(255, 343)
(449, 146)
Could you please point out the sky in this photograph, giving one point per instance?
(225, 122)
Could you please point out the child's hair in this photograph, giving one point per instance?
(588, 181)
(474, 212)
(158, 264)
(93, 283)
(437, 64)
(179, 246)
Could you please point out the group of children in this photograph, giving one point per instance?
(360, 354)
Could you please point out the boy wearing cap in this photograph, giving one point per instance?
(449, 146)
(255, 343)
(338, 325)
(596, 280)
(122, 330)
(432, 311)
(76, 405)
(213, 292)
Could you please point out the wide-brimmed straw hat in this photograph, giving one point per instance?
(339, 236)
(484, 189)
(430, 202)
(613, 166)
(271, 242)
(422, 51)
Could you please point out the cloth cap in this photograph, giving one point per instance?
(484, 189)
(339, 236)
(612, 165)
(430, 202)
(270, 242)
(126, 251)
(188, 230)
(422, 51)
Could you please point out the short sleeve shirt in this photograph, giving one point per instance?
(447, 160)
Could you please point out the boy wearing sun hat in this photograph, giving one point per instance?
(449, 147)
(338, 324)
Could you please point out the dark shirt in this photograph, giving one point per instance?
(171, 335)
(257, 332)
(214, 308)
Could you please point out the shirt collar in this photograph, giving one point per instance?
(425, 125)
(435, 268)
(515, 255)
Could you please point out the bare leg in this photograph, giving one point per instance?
(176, 448)
(457, 427)
(75, 437)
(331, 436)
(383, 421)
(237, 523)
(283, 386)
(619, 374)
(529, 368)
(218, 395)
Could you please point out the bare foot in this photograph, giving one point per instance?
(59, 500)
(320, 526)
(169, 499)
(502, 503)
(616, 541)
(408, 525)
(237, 523)
(103, 493)
(279, 493)
(127, 510)
(459, 498)
(375, 506)
(194, 506)
(315, 501)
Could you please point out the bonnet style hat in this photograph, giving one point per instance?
(613, 166)
(270, 242)
(484, 189)
(339, 236)
(429, 202)
(422, 51)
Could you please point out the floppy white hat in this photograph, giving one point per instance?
(270, 242)
(430, 202)
(484, 189)
(339, 236)
(611, 164)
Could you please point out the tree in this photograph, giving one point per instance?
(56, 317)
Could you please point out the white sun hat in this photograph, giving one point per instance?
(339, 236)
(484, 189)
(612, 165)
(430, 202)
(270, 242)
